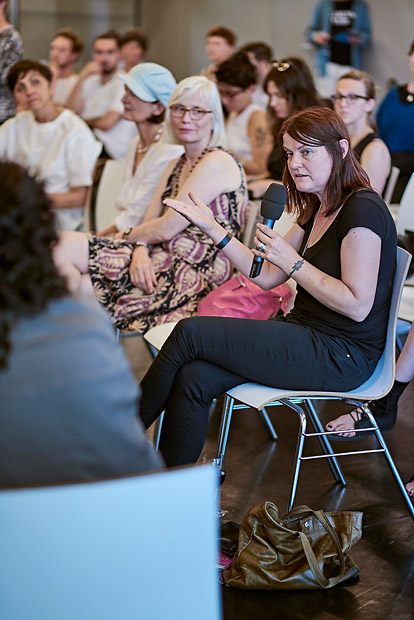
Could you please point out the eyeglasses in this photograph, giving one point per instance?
(348, 98)
(196, 114)
(281, 65)
(230, 94)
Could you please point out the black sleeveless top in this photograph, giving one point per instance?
(364, 208)
(362, 144)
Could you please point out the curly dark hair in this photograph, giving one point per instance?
(237, 71)
(28, 276)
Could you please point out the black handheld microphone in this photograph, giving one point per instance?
(271, 208)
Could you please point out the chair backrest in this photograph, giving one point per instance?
(108, 190)
(252, 217)
(383, 377)
(392, 180)
(137, 547)
(282, 225)
(405, 216)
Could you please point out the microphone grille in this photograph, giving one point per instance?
(273, 201)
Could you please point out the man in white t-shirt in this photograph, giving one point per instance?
(64, 51)
(97, 97)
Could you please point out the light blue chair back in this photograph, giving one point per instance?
(136, 548)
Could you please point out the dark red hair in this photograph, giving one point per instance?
(323, 127)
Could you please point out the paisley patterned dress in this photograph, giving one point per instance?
(187, 267)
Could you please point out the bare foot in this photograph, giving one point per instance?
(345, 424)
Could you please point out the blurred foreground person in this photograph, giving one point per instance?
(69, 403)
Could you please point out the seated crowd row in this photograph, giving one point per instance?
(163, 254)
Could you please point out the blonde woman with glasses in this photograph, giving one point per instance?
(158, 271)
(354, 100)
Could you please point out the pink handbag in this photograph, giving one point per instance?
(241, 298)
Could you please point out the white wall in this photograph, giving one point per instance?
(176, 28)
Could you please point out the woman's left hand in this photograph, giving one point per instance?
(274, 248)
(197, 213)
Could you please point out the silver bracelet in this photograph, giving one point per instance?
(145, 245)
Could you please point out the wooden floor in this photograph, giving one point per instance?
(259, 469)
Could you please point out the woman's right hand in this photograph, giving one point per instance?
(197, 213)
(141, 270)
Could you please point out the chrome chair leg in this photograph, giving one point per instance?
(391, 463)
(299, 450)
(267, 424)
(325, 445)
(224, 428)
(157, 431)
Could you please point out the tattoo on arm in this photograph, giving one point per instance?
(259, 137)
(296, 267)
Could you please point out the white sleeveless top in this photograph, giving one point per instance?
(236, 126)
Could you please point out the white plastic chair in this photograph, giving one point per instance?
(392, 180)
(259, 396)
(405, 212)
(140, 547)
(405, 315)
(108, 190)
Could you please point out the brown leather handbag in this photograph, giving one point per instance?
(307, 549)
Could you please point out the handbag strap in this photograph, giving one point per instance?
(310, 555)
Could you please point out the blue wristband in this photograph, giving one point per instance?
(222, 244)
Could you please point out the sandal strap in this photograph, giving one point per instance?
(358, 413)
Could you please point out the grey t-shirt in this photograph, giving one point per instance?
(69, 402)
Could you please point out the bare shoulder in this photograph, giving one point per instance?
(377, 145)
(221, 166)
(376, 151)
(258, 117)
(218, 159)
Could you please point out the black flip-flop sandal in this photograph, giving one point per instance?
(360, 421)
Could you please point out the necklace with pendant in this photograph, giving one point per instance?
(144, 149)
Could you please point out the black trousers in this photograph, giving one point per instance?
(206, 356)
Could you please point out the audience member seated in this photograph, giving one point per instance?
(97, 97)
(160, 270)
(69, 403)
(11, 51)
(247, 124)
(291, 88)
(342, 255)
(148, 88)
(260, 55)
(51, 142)
(395, 120)
(65, 49)
(385, 409)
(134, 46)
(220, 45)
(354, 100)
